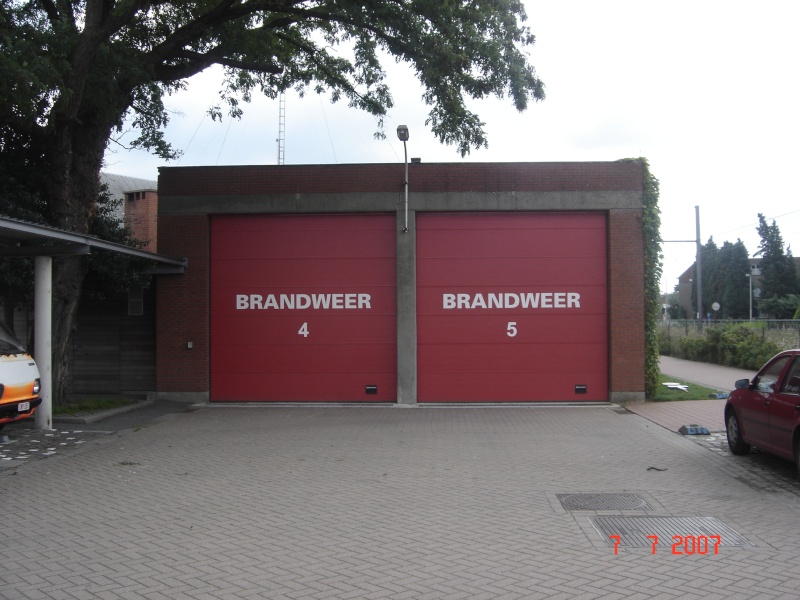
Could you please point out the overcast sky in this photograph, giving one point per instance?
(707, 91)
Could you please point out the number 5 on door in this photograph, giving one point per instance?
(511, 330)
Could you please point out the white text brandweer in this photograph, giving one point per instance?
(512, 300)
(303, 301)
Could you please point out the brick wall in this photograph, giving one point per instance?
(626, 303)
(183, 301)
(433, 177)
(183, 307)
(141, 214)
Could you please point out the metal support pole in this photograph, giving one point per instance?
(42, 305)
(700, 313)
(405, 183)
(402, 135)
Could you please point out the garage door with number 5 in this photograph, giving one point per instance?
(512, 307)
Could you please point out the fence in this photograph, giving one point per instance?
(783, 333)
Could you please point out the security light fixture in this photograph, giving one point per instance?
(402, 135)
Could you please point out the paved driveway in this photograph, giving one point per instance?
(270, 502)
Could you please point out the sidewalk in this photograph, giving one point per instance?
(713, 376)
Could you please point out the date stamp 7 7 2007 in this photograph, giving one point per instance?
(681, 544)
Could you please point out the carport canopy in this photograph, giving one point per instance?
(21, 238)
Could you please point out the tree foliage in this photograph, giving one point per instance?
(778, 271)
(74, 71)
(98, 61)
(725, 281)
(651, 225)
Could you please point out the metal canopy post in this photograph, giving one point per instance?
(21, 238)
(43, 316)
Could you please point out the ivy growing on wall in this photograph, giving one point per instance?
(651, 225)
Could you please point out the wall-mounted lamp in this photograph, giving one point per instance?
(402, 135)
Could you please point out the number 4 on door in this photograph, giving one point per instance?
(303, 330)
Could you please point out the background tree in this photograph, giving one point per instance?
(710, 277)
(734, 264)
(724, 280)
(73, 71)
(779, 298)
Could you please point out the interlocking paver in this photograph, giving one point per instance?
(322, 502)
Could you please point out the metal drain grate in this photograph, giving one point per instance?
(603, 502)
(633, 530)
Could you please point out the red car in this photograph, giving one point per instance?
(765, 412)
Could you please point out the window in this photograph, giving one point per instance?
(766, 380)
(135, 301)
(791, 384)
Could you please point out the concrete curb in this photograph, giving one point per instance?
(95, 416)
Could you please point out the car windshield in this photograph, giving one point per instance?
(8, 343)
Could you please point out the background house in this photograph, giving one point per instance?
(139, 206)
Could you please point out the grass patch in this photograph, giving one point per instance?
(665, 394)
(92, 404)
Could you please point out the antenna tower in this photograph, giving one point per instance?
(281, 127)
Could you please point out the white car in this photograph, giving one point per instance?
(19, 380)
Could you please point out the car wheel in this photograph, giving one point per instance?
(735, 442)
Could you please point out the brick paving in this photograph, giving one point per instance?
(709, 413)
(19, 445)
(672, 415)
(339, 502)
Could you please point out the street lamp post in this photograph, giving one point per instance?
(402, 135)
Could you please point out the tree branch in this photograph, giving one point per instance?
(52, 12)
(197, 62)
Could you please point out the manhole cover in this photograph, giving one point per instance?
(603, 502)
(633, 532)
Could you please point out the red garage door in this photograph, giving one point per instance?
(512, 307)
(303, 308)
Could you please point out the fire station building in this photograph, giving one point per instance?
(485, 282)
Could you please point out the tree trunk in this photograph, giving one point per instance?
(68, 275)
(73, 188)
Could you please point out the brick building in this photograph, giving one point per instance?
(503, 282)
(139, 206)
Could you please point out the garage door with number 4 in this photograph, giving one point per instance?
(303, 308)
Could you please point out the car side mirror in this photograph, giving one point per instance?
(742, 384)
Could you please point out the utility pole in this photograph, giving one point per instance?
(698, 259)
(699, 271)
